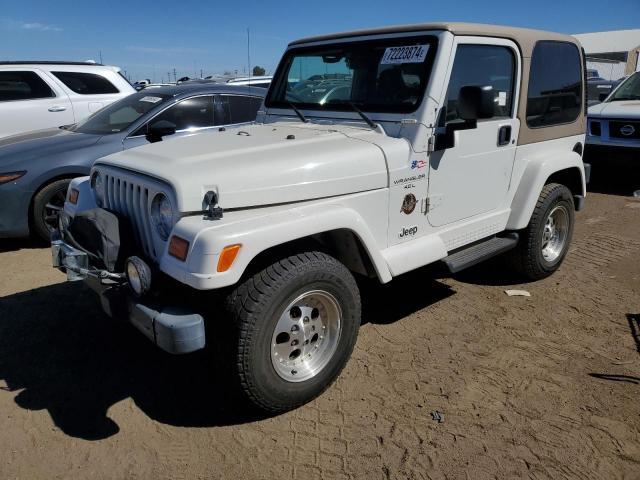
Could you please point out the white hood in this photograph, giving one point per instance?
(266, 164)
(627, 109)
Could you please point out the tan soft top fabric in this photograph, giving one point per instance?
(523, 37)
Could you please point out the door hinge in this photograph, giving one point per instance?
(429, 203)
(431, 144)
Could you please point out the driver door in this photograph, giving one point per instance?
(472, 177)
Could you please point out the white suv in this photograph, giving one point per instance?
(50, 94)
(376, 152)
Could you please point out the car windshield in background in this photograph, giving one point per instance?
(119, 115)
(629, 90)
(376, 76)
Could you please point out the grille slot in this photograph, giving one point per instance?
(131, 200)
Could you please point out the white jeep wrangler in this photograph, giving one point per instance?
(376, 152)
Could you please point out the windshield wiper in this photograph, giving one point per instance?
(362, 115)
(299, 113)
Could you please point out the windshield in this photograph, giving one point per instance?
(388, 75)
(119, 115)
(629, 90)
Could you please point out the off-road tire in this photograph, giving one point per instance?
(256, 305)
(527, 258)
(53, 191)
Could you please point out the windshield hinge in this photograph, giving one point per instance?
(431, 144)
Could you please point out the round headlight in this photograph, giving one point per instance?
(97, 184)
(162, 215)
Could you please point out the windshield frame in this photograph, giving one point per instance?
(166, 98)
(280, 78)
(633, 77)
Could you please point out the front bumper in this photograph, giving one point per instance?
(174, 329)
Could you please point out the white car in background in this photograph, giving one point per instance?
(37, 95)
(262, 82)
(614, 125)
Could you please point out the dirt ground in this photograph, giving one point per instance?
(540, 387)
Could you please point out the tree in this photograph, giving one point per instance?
(258, 71)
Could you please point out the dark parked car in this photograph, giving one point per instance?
(36, 168)
(598, 88)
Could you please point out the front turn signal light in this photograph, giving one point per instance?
(227, 257)
(10, 176)
(178, 248)
(73, 196)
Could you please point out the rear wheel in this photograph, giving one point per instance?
(47, 205)
(545, 242)
(298, 322)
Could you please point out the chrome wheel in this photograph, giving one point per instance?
(306, 336)
(555, 233)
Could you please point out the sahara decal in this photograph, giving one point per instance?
(409, 204)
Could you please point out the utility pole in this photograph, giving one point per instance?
(248, 56)
(175, 78)
(100, 55)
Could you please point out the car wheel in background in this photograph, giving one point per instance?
(47, 205)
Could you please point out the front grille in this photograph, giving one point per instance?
(131, 200)
(624, 129)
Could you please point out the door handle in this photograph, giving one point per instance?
(57, 109)
(504, 135)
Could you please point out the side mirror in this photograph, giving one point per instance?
(476, 103)
(160, 129)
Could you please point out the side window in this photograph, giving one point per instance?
(482, 65)
(23, 86)
(222, 110)
(86, 83)
(555, 84)
(243, 108)
(194, 112)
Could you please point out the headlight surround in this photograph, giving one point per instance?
(162, 215)
(97, 185)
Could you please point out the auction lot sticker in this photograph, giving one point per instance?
(408, 54)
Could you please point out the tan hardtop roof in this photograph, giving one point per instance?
(524, 37)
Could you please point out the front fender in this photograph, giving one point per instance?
(257, 231)
(535, 176)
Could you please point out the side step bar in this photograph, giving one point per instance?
(479, 252)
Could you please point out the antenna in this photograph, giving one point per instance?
(248, 58)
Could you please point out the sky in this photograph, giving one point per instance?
(148, 40)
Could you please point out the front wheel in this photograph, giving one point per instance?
(545, 242)
(298, 322)
(47, 205)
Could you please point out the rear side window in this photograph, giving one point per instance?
(196, 112)
(482, 66)
(86, 83)
(555, 84)
(23, 86)
(237, 109)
